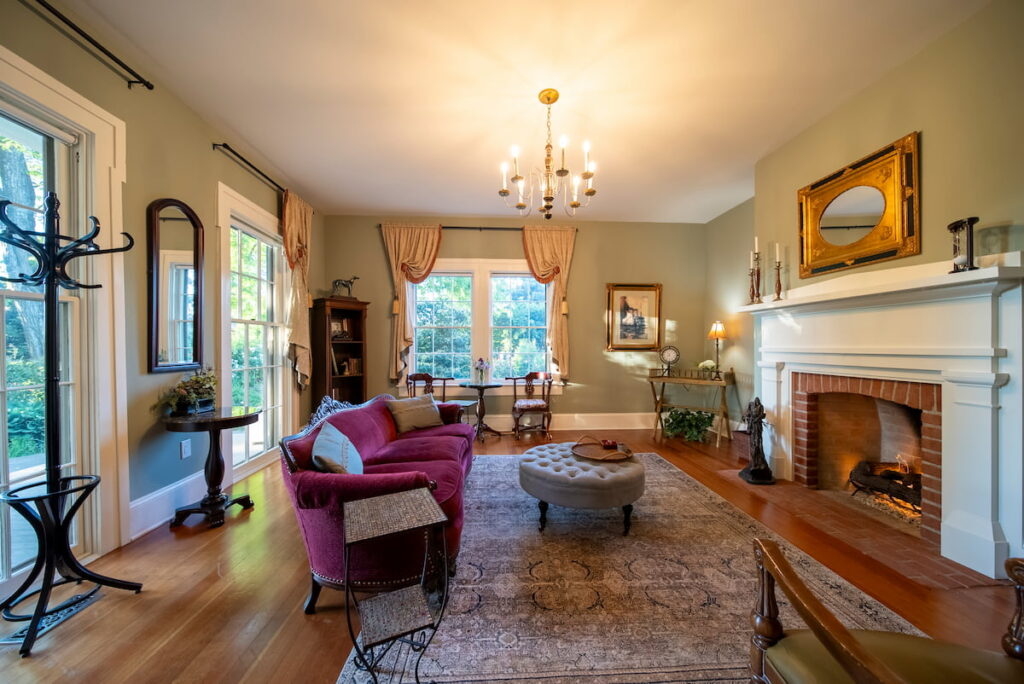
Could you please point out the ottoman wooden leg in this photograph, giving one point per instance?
(543, 506)
(627, 518)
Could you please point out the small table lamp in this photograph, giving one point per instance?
(717, 333)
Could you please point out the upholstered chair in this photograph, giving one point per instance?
(829, 652)
(536, 400)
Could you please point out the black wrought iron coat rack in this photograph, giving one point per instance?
(50, 506)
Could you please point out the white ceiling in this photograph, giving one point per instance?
(394, 107)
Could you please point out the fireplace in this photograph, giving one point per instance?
(841, 421)
(914, 346)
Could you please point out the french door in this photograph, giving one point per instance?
(33, 163)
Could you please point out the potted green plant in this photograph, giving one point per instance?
(692, 425)
(194, 394)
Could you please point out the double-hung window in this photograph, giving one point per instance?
(469, 309)
(257, 337)
(32, 163)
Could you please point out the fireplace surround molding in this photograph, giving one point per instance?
(917, 325)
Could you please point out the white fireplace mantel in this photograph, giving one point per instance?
(919, 323)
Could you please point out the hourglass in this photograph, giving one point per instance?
(962, 231)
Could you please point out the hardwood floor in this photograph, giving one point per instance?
(226, 605)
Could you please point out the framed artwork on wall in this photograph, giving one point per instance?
(634, 317)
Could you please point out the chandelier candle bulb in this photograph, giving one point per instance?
(586, 155)
(755, 244)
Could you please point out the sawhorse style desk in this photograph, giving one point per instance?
(693, 379)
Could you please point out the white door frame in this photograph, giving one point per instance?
(101, 176)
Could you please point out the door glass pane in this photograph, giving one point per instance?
(23, 343)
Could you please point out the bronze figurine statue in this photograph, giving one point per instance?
(757, 471)
(337, 285)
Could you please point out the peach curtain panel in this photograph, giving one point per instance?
(412, 250)
(296, 229)
(549, 253)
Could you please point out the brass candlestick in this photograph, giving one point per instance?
(757, 278)
(778, 281)
(750, 273)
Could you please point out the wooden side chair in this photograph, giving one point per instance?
(413, 380)
(536, 400)
(829, 652)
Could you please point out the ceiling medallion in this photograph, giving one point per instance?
(549, 183)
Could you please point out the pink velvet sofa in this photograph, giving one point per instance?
(439, 457)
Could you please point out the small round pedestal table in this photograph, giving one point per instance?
(482, 428)
(215, 502)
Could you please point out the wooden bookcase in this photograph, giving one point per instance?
(338, 340)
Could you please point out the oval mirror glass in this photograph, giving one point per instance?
(175, 271)
(852, 215)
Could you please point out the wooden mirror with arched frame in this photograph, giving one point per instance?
(866, 212)
(175, 274)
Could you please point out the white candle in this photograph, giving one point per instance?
(777, 257)
(504, 175)
(755, 244)
(520, 185)
(575, 188)
(586, 154)
(562, 142)
(751, 261)
(515, 159)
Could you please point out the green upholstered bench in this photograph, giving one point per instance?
(828, 652)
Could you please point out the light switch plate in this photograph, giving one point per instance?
(185, 446)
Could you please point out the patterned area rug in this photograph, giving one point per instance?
(581, 603)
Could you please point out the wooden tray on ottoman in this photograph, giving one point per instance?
(589, 447)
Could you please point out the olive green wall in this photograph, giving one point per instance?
(963, 93)
(727, 288)
(602, 381)
(168, 155)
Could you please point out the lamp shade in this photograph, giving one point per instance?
(717, 331)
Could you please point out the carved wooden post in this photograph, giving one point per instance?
(764, 618)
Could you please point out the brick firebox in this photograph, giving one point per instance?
(917, 395)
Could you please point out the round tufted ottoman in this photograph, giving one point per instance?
(553, 475)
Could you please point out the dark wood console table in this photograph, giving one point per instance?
(482, 428)
(215, 502)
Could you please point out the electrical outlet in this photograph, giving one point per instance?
(185, 446)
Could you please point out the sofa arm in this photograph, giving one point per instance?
(330, 490)
(450, 413)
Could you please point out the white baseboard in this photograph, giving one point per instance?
(579, 421)
(156, 508)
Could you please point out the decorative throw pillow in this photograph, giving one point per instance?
(334, 452)
(415, 413)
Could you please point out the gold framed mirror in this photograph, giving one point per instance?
(865, 212)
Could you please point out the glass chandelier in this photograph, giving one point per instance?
(548, 184)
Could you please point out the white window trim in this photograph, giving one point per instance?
(231, 203)
(101, 177)
(481, 270)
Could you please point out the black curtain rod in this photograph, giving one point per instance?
(138, 78)
(252, 167)
(499, 228)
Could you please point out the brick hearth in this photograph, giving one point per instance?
(917, 395)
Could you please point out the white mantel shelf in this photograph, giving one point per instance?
(962, 332)
(898, 285)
